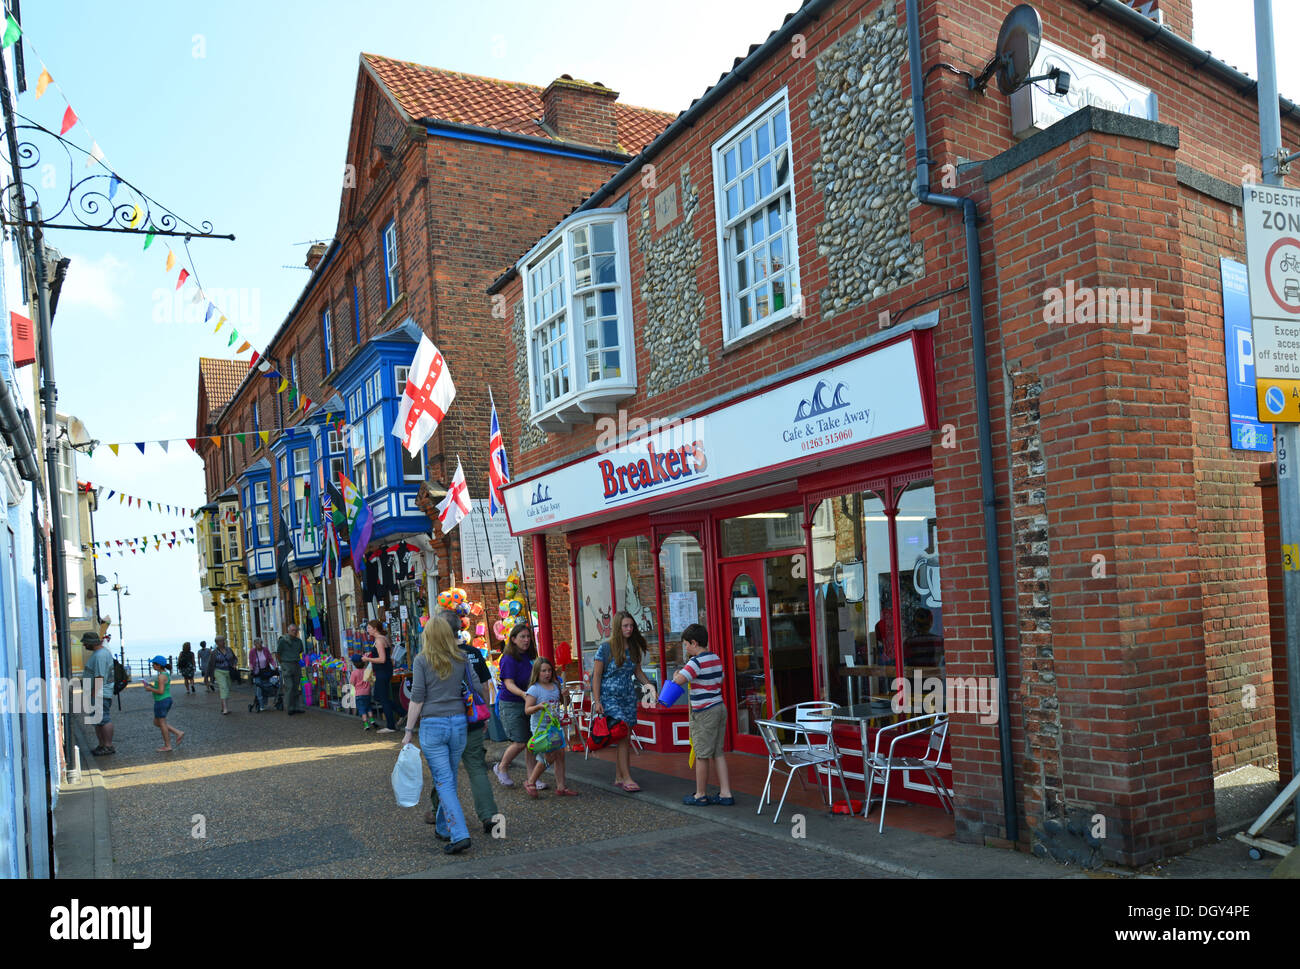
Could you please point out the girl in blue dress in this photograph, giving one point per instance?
(616, 667)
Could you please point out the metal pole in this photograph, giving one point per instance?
(1288, 435)
(49, 403)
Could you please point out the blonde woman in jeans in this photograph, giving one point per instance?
(438, 710)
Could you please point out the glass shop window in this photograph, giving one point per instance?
(596, 611)
(681, 569)
(764, 531)
(852, 593)
(917, 536)
(634, 593)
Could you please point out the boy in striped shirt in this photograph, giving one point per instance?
(703, 671)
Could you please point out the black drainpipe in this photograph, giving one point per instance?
(970, 219)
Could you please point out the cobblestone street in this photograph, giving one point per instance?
(263, 795)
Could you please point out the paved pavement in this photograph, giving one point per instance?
(266, 795)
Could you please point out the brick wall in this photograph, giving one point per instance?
(1118, 435)
(1230, 529)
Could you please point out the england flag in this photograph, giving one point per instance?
(456, 505)
(429, 393)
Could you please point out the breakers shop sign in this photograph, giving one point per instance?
(846, 405)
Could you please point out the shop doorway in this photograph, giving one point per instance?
(769, 640)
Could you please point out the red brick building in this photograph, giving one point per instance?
(448, 175)
(764, 287)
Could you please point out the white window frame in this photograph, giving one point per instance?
(580, 388)
(731, 333)
(377, 451)
(329, 339)
(404, 457)
(390, 262)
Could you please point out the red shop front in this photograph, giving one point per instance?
(796, 523)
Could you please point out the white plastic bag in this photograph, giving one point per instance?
(408, 777)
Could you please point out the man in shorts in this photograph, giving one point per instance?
(703, 671)
(98, 680)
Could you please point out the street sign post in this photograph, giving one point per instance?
(1272, 215)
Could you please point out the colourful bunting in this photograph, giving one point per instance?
(113, 448)
(208, 315)
(171, 260)
(243, 346)
(193, 443)
(252, 362)
(239, 438)
(140, 445)
(148, 236)
(180, 280)
(264, 435)
(96, 154)
(215, 440)
(42, 83)
(114, 183)
(137, 215)
(12, 32)
(69, 116)
(283, 383)
(234, 335)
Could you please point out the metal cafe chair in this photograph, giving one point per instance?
(816, 717)
(933, 726)
(576, 691)
(803, 752)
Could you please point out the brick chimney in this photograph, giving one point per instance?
(581, 111)
(315, 253)
(1174, 14)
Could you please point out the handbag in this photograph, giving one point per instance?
(549, 735)
(476, 711)
(605, 731)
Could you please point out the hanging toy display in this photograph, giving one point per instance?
(512, 608)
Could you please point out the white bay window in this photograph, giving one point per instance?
(579, 320)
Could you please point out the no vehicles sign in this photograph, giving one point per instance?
(1273, 258)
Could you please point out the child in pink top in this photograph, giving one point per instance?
(361, 690)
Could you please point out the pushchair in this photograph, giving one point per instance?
(266, 687)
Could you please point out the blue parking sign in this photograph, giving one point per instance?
(1248, 434)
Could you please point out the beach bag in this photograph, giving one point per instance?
(605, 731)
(476, 711)
(549, 735)
(408, 777)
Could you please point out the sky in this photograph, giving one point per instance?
(238, 113)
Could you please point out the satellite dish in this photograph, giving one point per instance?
(100, 579)
(1018, 43)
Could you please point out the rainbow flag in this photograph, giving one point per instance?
(309, 597)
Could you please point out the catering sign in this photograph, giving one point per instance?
(1272, 216)
(1034, 108)
(872, 396)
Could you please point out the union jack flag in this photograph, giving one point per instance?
(498, 468)
(331, 535)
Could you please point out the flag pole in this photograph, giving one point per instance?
(487, 538)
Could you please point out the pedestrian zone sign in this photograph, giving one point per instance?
(1272, 218)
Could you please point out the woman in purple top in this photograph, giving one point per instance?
(516, 668)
